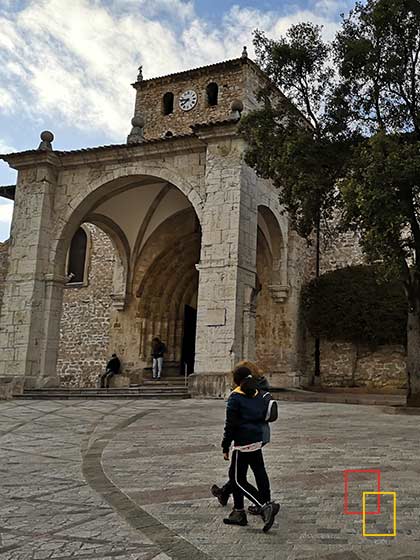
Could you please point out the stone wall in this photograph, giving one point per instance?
(85, 324)
(348, 365)
(4, 261)
(340, 250)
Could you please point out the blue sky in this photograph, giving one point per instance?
(67, 66)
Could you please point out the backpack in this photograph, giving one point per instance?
(272, 410)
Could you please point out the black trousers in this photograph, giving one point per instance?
(106, 378)
(239, 484)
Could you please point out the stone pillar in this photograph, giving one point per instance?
(30, 316)
(249, 324)
(53, 306)
(227, 266)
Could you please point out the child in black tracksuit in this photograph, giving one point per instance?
(246, 417)
(224, 492)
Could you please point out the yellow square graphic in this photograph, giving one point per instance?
(394, 533)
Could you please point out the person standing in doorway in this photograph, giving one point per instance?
(158, 351)
(112, 368)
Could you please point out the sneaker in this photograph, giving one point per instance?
(236, 518)
(254, 510)
(268, 513)
(220, 495)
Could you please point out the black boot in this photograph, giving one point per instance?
(236, 517)
(220, 495)
(268, 513)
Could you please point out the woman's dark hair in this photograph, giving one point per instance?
(242, 376)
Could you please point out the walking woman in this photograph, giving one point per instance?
(247, 412)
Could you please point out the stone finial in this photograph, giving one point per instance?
(136, 135)
(236, 109)
(140, 74)
(46, 141)
(244, 53)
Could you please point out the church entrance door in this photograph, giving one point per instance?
(188, 341)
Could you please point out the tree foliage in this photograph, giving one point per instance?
(378, 52)
(356, 304)
(292, 142)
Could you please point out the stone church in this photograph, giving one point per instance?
(168, 234)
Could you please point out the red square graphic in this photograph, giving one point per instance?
(346, 490)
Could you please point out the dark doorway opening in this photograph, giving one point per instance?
(188, 341)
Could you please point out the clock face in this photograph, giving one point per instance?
(188, 100)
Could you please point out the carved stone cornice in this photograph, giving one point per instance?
(279, 292)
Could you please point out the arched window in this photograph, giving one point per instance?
(212, 94)
(168, 103)
(76, 263)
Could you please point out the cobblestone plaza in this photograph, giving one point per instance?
(130, 480)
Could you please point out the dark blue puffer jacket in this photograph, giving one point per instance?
(245, 419)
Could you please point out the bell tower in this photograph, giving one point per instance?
(170, 105)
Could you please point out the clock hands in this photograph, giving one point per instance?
(187, 100)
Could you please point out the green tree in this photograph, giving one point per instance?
(300, 144)
(378, 53)
(295, 143)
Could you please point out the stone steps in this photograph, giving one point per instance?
(177, 381)
(141, 392)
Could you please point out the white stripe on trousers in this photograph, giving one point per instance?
(248, 495)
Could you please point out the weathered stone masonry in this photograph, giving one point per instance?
(85, 322)
(4, 261)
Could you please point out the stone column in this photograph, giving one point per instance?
(29, 322)
(249, 324)
(228, 263)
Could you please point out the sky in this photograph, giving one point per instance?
(67, 66)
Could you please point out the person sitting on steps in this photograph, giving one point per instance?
(112, 368)
(158, 350)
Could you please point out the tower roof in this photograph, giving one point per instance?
(223, 65)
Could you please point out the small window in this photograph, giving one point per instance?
(168, 103)
(76, 264)
(212, 94)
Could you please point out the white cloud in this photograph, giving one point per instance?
(74, 62)
(6, 100)
(331, 8)
(6, 211)
(6, 148)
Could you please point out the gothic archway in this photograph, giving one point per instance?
(155, 238)
(272, 289)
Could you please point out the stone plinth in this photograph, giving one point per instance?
(10, 387)
(205, 385)
(119, 381)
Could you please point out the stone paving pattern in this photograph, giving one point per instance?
(130, 480)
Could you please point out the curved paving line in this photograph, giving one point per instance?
(172, 544)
